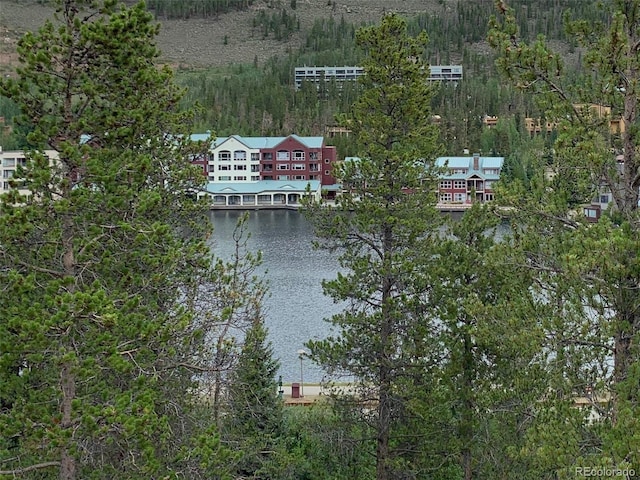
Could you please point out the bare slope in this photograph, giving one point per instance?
(198, 42)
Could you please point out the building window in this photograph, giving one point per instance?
(283, 167)
(459, 197)
(298, 166)
(267, 156)
(326, 172)
(283, 177)
(459, 184)
(267, 167)
(224, 178)
(8, 173)
(445, 197)
(239, 155)
(298, 155)
(255, 178)
(255, 168)
(240, 178)
(488, 197)
(459, 171)
(255, 157)
(313, 177)
(313, 167)
(604, 198)
(327, 160)
(313, 155)
(224, 167)
(591, 212)
(491, 171)
(445, 184)
(299, 177)
(239, 167)
(224, 156)
(9, 162)
(268, 177)
(282, 156)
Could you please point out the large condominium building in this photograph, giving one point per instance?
(341, 74)
(251, 159)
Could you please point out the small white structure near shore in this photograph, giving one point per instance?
(261, 194)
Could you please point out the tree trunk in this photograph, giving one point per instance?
(627, 328)
(384, 421)
(383, 471)
(68, 384)
(67, 376)
(466, 422)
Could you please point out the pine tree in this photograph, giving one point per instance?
(481, 295)
(254, 419)
(587, 271)
(382, 226)
(102, 264)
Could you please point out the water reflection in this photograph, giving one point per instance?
(296, 307)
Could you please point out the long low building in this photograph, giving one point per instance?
(10, 162)
(315, 74)
(261, 194)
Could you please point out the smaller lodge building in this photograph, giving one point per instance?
(468, 179)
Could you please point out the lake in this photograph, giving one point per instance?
(296, 307)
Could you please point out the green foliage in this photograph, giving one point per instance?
(195, 8)
(383, 235)
(102, 264)
(253, 420)
(490, 370)
(280, 24)
(320, 443)
(585, 272)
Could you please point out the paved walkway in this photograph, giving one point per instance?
(308, 393)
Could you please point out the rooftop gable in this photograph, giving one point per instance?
(467, 162)
(306, 142)
(232, 143)
(261, 142)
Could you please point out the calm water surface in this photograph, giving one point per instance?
(296, 308)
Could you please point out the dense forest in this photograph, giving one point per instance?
(255, 99)
(470, 355)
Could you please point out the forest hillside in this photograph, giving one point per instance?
(198, 41)
(236, 59)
